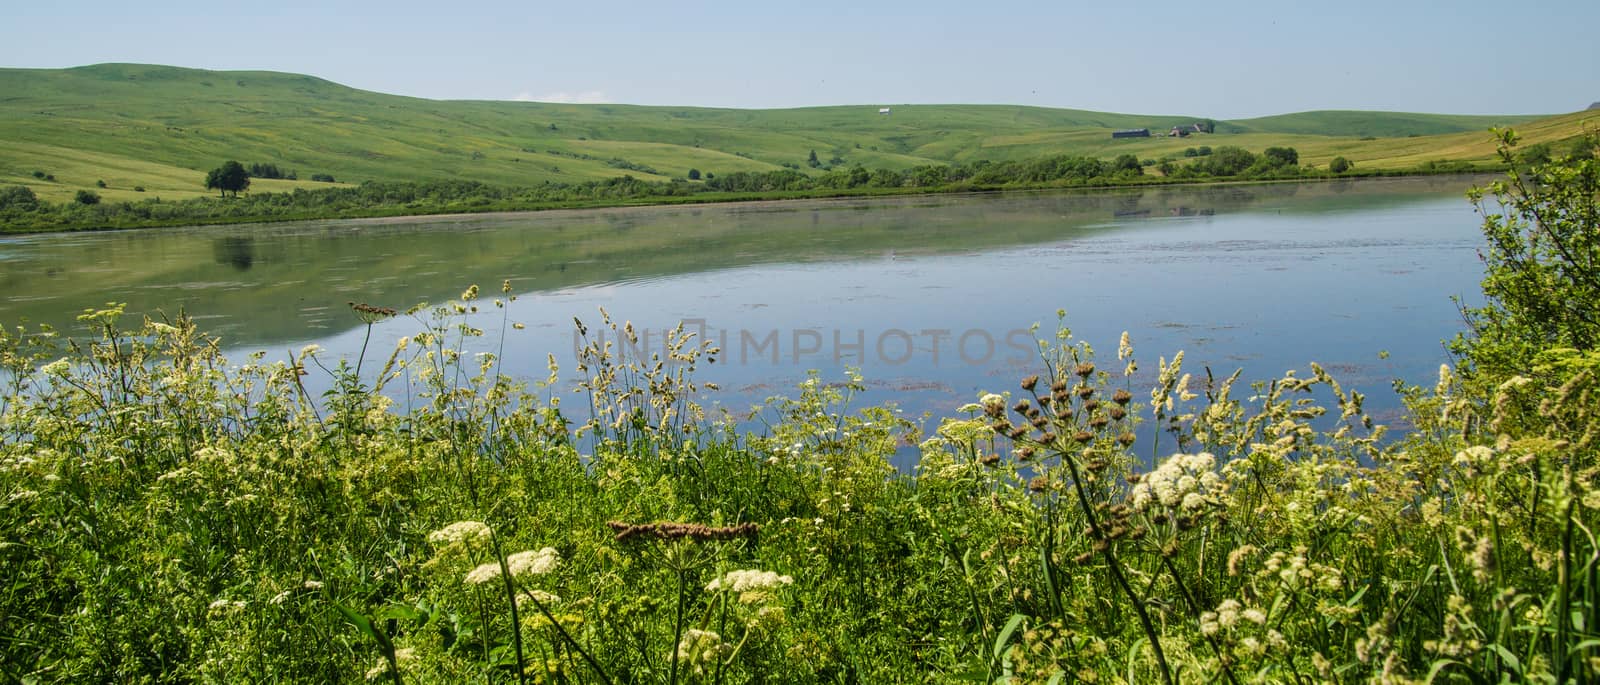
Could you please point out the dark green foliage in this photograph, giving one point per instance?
(231, 177)
(100, 184)
(322, 178)
(1339, 165)
(269, 171)
(138, 189)
(18, 198)
(694, 174)
(1127, 164)
(86, 197)
(618, 163)
(39, 175)
(1281, 156)
(1228, 160)
(812, 161)
(1542, 224)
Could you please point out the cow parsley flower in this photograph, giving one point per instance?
(748, 580)
(533, 563)
(483, 573)
(458, 532)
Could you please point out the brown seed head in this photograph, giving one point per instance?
(1084, 370)
(1029, 383)
(1122, 397)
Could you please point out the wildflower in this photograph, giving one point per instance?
(1124, 347)
(1175, 480)
(382, 668)
(748, 580)
(699, 646)
(483, 573)
(993, 405)
(58, 367)
(531, 563)
(459, 531)
(224, 605)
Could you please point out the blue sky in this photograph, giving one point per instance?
(1214, 58)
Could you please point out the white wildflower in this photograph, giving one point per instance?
(483, 574)
(532, 563)
(748, 580)
(58, 367)
(458, 532)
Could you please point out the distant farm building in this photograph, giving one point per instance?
(1184, 131)
(1131, 133)
(883, 110)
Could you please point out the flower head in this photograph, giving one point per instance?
(533, 563)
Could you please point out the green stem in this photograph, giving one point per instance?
(593, 663)
(1116, 571)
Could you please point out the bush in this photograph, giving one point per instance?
(18, 198)
(86, 197)
(322, 178)
(1281, 156)
(1542, 224)
(1339, 165)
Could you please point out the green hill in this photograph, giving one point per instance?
(161, 128)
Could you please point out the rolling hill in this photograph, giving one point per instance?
(161, 128)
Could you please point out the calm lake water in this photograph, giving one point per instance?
(931, 297)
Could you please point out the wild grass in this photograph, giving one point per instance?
(171, 516)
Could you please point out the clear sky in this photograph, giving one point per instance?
(1214, 58)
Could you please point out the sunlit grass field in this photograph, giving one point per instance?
(162, 128)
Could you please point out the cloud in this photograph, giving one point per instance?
(587, 97)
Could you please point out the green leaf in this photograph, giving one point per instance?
(364, 624)
(1005, 634)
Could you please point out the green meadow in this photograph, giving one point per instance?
(161, 128)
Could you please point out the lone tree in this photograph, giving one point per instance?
(1339, 165)
(231, 177)
(694, 174)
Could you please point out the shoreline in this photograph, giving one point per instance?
(380, 216)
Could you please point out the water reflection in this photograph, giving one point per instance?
(1262, 277)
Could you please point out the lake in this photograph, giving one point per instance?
(931, 297)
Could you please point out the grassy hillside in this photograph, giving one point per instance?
(162, 127)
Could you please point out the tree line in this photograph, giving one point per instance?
(20, 209)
